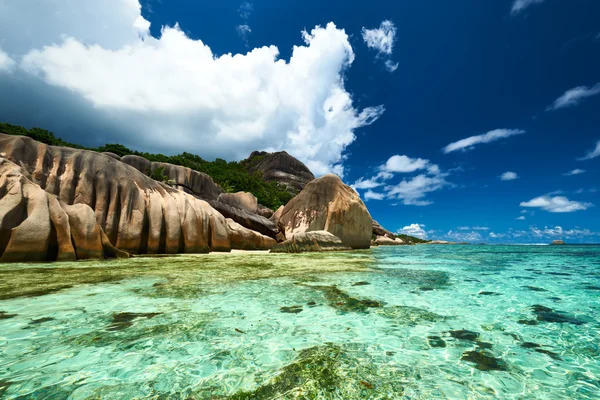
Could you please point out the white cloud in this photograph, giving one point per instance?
(399, 163)
(371, 195)
(491, 136)
(7, 64)
(382, 38)
(474, 228)
(577, 171)
(592, 153)
(574, 96)
(556, 204)
(521, 218)
(520, 5)
(173, 93)
(415, 230)
(391, 66)
(244, 30)
(464, 236)
(246, 10)
(412, 191)
(509, 176)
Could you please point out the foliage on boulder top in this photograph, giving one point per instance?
(232, 176)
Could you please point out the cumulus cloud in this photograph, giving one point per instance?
(403, 163)
(244, 30)
(556, 204)
(573, 97)
(509, 176)
(371, 195)
(382, 40)
(415, 230)
(474, 228)
(592, 153)
(521, 218)
(491, 136)
(172, 93)
(413, 191)
(578, 171)
(6, 63)
(520, 5)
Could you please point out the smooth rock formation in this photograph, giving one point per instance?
(245, 239)
(244, 200)
(282, 168)
(558, 242)
(112, 155)
(386, 241)
(314, 241)
(379, 230)
(248, 220)
(328, 204)
(191, 181)
(105, 205)
(264, 211)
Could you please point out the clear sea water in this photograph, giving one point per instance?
(411, 322)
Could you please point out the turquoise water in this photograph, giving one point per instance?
(410, 322)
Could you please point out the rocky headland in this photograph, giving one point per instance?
(62, 203)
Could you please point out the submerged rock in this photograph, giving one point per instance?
(546, 314)
(315, 241)
(125, 320)
(330, 371)
(5, 315)
(535, 289)
(464, 334)
(484, 361)
(340, 300)
(410, 316)
(328, 204)
(291, 310)
(436, 341)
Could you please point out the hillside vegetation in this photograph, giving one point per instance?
(231, 176)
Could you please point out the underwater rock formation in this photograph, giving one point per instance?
(327, 204)
(64, 203)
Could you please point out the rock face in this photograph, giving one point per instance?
(52, 196)
(246, 219)
(379, 230)
(386, 241)
(282, 168)
(191, 181)
(244, 200)
(314, 241)
(328, 204)
(558, 242)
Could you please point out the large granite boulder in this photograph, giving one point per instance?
(36, 226)
(387, 241)
(281, 168)
(132, 212)
(328, 204)
(191, 181)
(314, 241)
(244, 200)
(379, 230)
(247, 219)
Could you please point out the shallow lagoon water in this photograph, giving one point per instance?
(413, 322)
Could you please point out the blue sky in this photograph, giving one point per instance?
(466, 120)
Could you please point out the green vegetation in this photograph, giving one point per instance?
(411, 239)
(231, 176)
